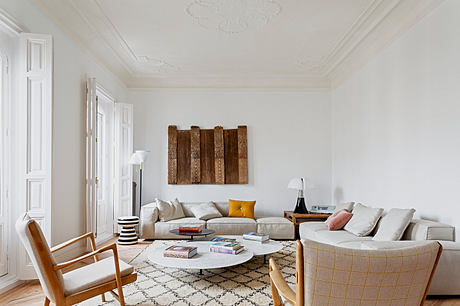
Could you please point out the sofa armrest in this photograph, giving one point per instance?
(149, 215)
(428, 230)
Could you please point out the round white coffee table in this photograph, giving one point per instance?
(258, 248)
(203, 260)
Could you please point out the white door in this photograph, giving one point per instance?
(3, 190)
(104, 167)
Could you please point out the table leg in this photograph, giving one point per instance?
(265, 259)
(201, 272)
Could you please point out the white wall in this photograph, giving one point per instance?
(396, 123)
(72, 66)
(288, 136)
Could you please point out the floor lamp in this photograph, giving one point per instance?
(138, 158)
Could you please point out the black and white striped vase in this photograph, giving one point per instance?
(128, 229)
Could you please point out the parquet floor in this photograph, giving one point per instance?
(31, 294)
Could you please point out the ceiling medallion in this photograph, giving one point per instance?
(150, 64)
(233, 16)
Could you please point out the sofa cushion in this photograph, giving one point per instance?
(428, 230)
(308, 230)
(232, 225)
(393, 224)
(169, 210)
(276, 227)
(338, 237)
(162, 228)
(222, 207)
(364, 220)
(205, 211)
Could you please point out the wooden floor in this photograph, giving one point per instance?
(31, 294)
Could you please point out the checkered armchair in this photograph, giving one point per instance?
(327, 274)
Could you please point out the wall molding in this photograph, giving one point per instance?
(380, 24)
(9, 24)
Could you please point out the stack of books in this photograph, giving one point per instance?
(256, 236)
(179, 251)
(226, 247)
(193, 229)
(221, 239)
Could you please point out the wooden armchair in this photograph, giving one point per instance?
(79, 284)
(327, 274)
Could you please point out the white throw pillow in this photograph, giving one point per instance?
(347, 206)
(169, 210)
(393, 224)
(364, 220)
(205, 211)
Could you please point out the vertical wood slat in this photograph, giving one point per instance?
(195, 167)
(219, 155)
(183, 157)
(172, 154)
(242, 155)
(231, 156)
(207, 157)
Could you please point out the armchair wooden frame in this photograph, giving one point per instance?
(50, 269)
(280, 288)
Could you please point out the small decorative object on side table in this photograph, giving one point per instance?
(204, 232)
(128, 233)
(300, 218)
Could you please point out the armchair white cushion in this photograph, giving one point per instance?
(100, 272)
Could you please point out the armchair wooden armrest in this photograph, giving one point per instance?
(89, 235)
(279, 285)
(112, 247)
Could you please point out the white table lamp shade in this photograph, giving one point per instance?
(296, 183)
(138, 157)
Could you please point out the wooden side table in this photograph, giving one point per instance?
(301, 218)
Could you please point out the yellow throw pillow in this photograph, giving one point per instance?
(243, 209)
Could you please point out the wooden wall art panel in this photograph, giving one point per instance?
(207, 156)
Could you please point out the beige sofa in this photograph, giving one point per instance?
(446, 280)
(152, 228)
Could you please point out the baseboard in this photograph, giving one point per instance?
(8, 282)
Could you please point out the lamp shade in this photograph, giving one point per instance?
(296, 183)
(138, 157)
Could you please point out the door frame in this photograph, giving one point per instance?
(104, 94)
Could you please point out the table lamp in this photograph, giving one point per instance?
(298, 184)
(138, 158)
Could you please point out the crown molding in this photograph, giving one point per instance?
(378, 27)
(284, 82)
(9, 25)
(380, 24)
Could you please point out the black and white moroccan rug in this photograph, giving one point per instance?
(245, 284)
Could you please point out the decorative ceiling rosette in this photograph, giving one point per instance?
(233, 16)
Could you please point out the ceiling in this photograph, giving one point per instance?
(231, 43)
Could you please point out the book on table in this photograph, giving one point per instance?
(190, 229)
(226, 247)
(226, 251)
(179, 251)
(256, 236)
(222, 239)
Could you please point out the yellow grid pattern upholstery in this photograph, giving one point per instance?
(340, 276)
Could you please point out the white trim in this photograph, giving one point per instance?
(9, 25)
(34, 133)
(8, 282)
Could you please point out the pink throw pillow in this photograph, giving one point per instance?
(333, 215)
(337, 221)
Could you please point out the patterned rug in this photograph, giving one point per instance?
(245, 284)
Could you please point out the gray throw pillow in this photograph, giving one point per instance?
(205, 211)
(393, 224)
